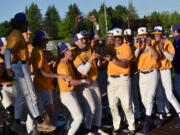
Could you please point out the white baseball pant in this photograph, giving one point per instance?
(165, 76)
(161, 99)
(69, 99)
(120, 89)
(24, 85)
(92, 98)
(9, 95)
(148, 83)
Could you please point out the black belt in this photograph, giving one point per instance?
(8, 85)
(147, 72)
(117, 76)
(23, 62)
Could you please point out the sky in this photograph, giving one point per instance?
(8, 8)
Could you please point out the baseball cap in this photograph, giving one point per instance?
(84, 32)
(21, 17)
(175, 27)
(158, 30)
(142, 31)
(3, 41)
(78, 36)
(109, 33)
(63, 46)
(127, 32)
(40, 35)
(117, 32)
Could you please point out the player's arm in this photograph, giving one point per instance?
(85, 68)
(118, 62)
(78, 19)
(74, 82)
(155, 54)
(51, 75)
(167, 54)
(7, 59)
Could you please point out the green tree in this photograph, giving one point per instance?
(120, 12)
(102, 23)
(174, 18)
(132, 14)
(65, 28)
(35, 17)
(5, 29)
(51, 21)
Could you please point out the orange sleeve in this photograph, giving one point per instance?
(170, 48)
(78, 61)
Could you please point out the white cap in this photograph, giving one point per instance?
(109, 33)
(117, 32)
(142, 31)
(127, 32)
(158, 30)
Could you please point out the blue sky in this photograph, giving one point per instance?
(8, 8)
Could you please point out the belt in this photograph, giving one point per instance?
(117, 76)
(147, 72)
(8, 85)
(23, 62)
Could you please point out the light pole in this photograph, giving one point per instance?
(105, 16)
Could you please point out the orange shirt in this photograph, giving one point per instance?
(82, 58)
(65, 69)
(16, 42)
(164, 63)
(39, 61)
(145, 60)
(123, 52)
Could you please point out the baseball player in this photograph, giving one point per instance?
(7, 89)
(86, 65)
(175, 30)
(18, 68)
(147, 63)
(134, 87)
(120, 83)
(66, 87)
(166, 51)
(43, 76)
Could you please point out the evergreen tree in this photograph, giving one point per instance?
(51, 21)
(35, 17)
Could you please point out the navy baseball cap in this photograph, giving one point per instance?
(40, 35)
(21, 17)
(175, 27)
(63, 46)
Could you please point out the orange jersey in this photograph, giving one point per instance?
(82, 58)
(164, 63)
(145, 60)
(16, 42)
(39, 61)
(123, 52)
(65, 69)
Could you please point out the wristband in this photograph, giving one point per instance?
(83, 80)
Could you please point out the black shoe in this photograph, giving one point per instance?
(146, 126)
(158, 123)
(115, 132)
